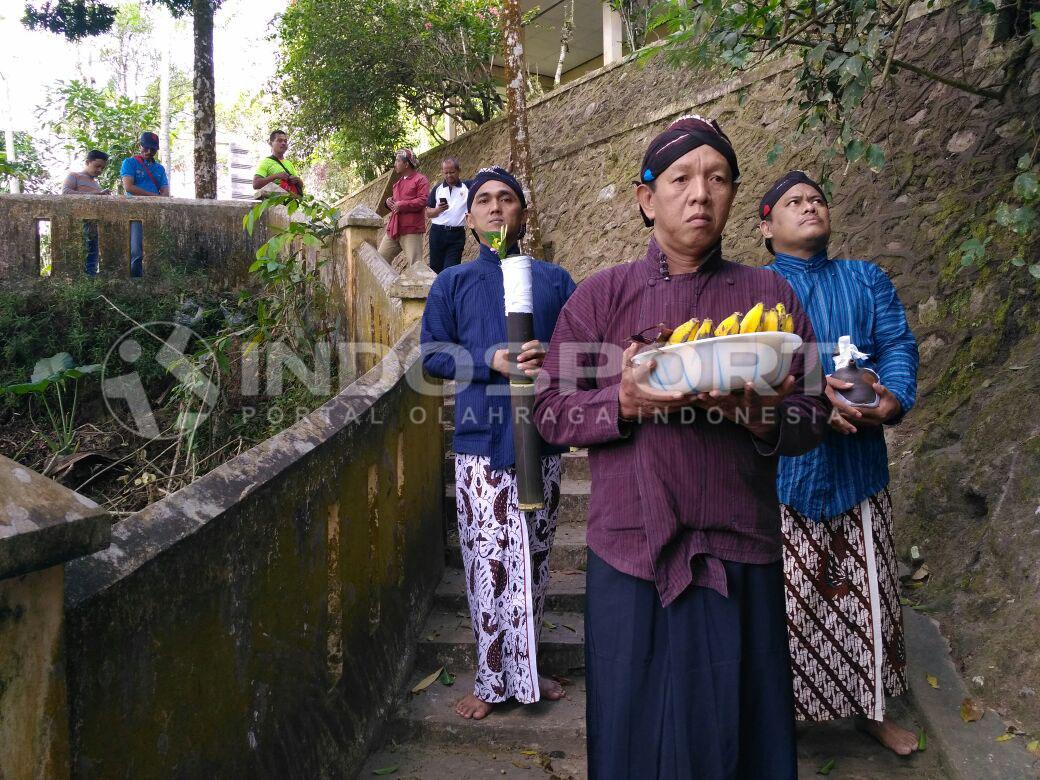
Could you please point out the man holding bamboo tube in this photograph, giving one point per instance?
(505, 551)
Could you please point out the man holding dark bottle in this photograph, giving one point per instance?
(845, 627)
(446, 210)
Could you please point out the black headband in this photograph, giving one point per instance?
(783, 184)
(495, 173)
(681, 137)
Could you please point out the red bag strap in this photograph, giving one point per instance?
(143, 164)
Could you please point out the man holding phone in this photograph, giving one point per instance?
(446, 209)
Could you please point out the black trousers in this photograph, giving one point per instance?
(697, 690)
(446, 246)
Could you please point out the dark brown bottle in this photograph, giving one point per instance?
(862, 392)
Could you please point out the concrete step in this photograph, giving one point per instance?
(429, 718)
(574, 502)
(419, 761)
(566, 592)
(447, 640)
(576, 465)
(427, 740)
(568, 551)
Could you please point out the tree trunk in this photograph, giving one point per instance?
(519, 141)
(565, 40)
(205, 102)
(166, 32)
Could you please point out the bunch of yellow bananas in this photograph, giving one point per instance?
(757, 320)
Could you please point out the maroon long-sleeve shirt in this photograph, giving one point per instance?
(410, 194)
(672, 498)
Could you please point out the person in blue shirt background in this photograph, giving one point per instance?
(505, 551)
(845, 627)
(143, 177)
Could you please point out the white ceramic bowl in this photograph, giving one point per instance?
(723, 362)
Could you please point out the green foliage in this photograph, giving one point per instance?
(74, 19)
(77, 19)
(85, 118)
(357, 69)
(128, 49)
(1018, 215)
(845, 51)
(50, 381)
(295, 300)
(636, 20)
(28, 165)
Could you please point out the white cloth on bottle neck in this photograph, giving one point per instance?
(847, 352)
(516, 282)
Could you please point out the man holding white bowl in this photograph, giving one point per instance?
(686, 643)
(843, 612)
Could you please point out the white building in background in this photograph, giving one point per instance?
(237, 158)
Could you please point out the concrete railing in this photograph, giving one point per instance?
(42, 525)
(259, 622)
(186, 235)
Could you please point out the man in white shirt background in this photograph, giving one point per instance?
(446, 210)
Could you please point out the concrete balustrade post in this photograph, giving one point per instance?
(412, 288)
(42, 525)
(361, 225)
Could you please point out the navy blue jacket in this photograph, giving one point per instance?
(462, 326)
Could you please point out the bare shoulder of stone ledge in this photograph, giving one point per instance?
(43, 523)
(362, 216)
(159, 526)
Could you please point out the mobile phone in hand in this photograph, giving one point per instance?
(443, 201)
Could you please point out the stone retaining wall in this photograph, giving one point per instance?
(259, 622)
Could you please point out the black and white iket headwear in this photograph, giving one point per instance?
(680, 137)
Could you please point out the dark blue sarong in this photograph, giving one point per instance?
(698, 690)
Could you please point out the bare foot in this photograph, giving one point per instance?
(895, 738)
(551, 689)
(472, 707)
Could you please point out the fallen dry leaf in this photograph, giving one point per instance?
(1005, 737)
(1034, 747)
(529, 752)
(827, 768)
(569, 628)
(427, 681)
(921, 574)
(932, 680)
(921, 740)
(971, 711)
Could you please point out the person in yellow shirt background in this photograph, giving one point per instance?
(275, 169)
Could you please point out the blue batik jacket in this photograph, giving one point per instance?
(848, 298)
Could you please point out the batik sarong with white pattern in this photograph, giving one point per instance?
(845, 628)
(505, 553)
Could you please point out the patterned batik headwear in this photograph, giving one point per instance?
(408, 155)
(782, 185)
(680, 137)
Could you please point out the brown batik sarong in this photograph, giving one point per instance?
(845, 628)
(505, 553)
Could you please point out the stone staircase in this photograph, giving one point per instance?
(426, 739)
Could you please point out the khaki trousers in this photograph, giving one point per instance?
(411, 244)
